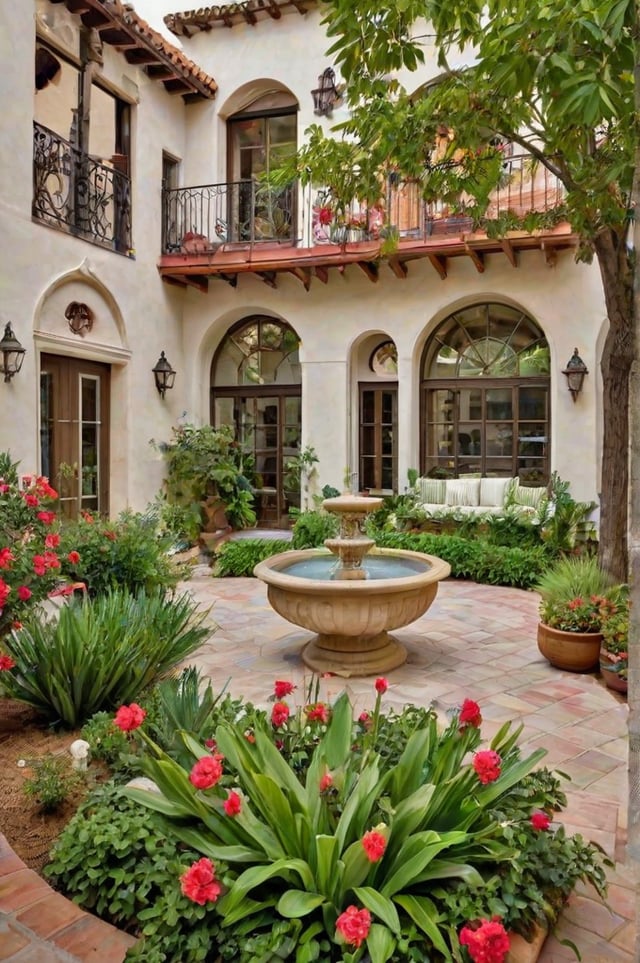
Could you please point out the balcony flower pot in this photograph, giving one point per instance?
(571, 651)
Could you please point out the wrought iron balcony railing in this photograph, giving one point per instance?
(200, 219)
(80, 194)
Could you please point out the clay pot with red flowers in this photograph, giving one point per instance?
(577, 599)
(614, 657)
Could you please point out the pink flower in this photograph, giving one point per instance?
(52, 540)
(381, 685)
(74, 557)
(470, 714)
(486, 942)
(24, 593)
(540, 820)
(326, 782)
(210, 744)
(31, 500)
(6, 557)
(282, 688)
(232, 804)
(39, 565)
(51, 560)
(4, 593)
(199, 882)
(47, 518)
(280, 713)
(129, 717)
(6, 663)
(363, 718)
(206, 772)
(374, 845)
(354, 925)
(487, 765)
(317, 713)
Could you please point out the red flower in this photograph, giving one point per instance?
(470, 714)
(206, 772)
(6, 557)
(210, 744)
(374, 845)
(325, 215)
(249, 736)
(47, 518)
(51, 560)
(24, 593)
(487, 765)
(354, 925)
(199, 882)
(326, 782)
(88, 517)
(381, 685)
(232, 804)
(540, 820)
(130, 717)
(280, 713)
(4, 593)
(111, 535)
(317, 713)
(31, 500)
(39, 565)
(486, 942)
(6, 662)
(282, 688)
(74, 557)
(52, 540)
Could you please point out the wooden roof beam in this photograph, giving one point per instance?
(250, 17)
(231, 279)
(274, 11)
(440, 264)
(398, 267)
(476, 257)
(370, 269)
(300, 7)
(269, 278)
(302, 274)
(507, 247)
(322, 274)
(550, 253)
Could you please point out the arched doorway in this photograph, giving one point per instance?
(485, 396)
(255, 386)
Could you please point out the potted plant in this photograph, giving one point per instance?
(576, 599)
(614, 649)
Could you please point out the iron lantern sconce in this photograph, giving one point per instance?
(575, 373)
(12, 353)
(164, 375)
(326, 95)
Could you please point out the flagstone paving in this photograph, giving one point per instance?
(477, 641)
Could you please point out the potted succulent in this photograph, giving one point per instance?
(614, 649)
(576, 598)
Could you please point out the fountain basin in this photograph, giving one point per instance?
(352, 617)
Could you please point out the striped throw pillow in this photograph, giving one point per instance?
(493, 491)
(531, 497)
(431, 491)
(463, 491)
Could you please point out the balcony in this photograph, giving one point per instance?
(224, 230)
(80, 194)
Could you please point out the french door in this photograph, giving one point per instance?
(378, 456)
(74, 432)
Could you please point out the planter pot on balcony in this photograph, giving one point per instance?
(572, 651)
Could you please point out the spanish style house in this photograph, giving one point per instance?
(138, 219)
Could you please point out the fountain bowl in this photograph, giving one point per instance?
(352, 616)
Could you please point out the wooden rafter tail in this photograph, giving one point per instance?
(440, 264)
(476, 257)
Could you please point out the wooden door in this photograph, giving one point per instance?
(74, 432)
(378, 468)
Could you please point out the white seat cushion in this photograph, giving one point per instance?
(493, 491)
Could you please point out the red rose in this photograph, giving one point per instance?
(487, 765)
(470, 714)
(540, 820)
(52, 540)
(210, 744)
(51, 560)
(199, 882)
(24, 593)
(6, 557)
(280, 713)
(4, 593)
(232, 804)
(317, 713)
(374, 845)
(74, 557)
(486, 942)
(206, 772)
(47, 518)
(39, 565)
(381, 685)
(326, 782)
(31, 500)
(354, 925)
(6, 663)
(130, 717)
(282, 688)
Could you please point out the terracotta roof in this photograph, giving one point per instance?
(189, 22)
(120, 26)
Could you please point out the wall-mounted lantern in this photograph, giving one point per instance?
(163, 374)
(326, 95)
(575, 373)
(11, 354)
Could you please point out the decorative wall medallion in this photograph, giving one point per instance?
(80, 317)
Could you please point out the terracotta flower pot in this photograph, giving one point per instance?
(521, 951)
(612, 679)
(572, 651)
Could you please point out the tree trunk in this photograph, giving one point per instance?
(617, 358)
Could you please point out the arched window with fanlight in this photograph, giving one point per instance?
(255, 386)
(485, 396)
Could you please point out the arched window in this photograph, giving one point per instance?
(485, 395)
(255, 386)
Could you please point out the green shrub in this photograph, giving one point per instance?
(126, 553)
(108, 742)
(117, 860)
(100, 653)
(312, 528)
(240, 557)
(477, 560)
(52, 782)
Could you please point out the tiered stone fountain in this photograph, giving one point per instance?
(352, 595)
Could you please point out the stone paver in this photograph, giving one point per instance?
(476, 641)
